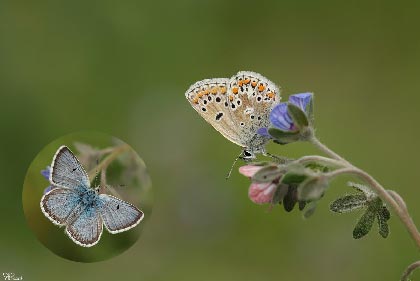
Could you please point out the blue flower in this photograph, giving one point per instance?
(46, 173)
(280, 118)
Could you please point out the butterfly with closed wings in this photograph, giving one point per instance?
(237, 108)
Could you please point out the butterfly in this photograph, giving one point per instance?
(237, 108)
(81, 209)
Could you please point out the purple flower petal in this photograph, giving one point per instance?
(301, 100)
(46, 173)
(280, 118)
(48, 189)
(263, 132)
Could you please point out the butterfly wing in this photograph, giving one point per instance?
(209, 98)
(118, 215)
(236, 107)
(251, 99)
(66, 170)
(59, 203)
(85, 226)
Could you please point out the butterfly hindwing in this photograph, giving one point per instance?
(118, 215)
(209, 98)
(85, 229)
(59, 203)
(66, 170)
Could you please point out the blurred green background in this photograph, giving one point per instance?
(122, 68)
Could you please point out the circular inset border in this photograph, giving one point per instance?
(114, 169)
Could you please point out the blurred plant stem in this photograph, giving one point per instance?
(388, 196)
(410, 270)
(103, 165)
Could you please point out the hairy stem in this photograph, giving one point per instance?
(328, 151)
(410, 270)
(320, 159)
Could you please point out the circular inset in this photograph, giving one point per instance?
(86, 196)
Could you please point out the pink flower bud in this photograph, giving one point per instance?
(261, 193)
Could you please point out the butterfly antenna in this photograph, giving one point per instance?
(97, 173)
(233, 165)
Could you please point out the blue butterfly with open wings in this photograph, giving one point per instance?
(81, 209)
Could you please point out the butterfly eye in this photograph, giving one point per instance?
(247, 154)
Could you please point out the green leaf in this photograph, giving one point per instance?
(267, 174)
(365, 223)
(310, 210)
(299, 117)
(310, 111)
(312, 188)
(293, 177)
(290, 199)
(348, 203)
(383, 216)
(281, 191)
(283, 137)
(362, 188)
(317, 167)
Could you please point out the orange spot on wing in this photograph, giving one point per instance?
(223, 90)
(206, 91)
(271, 95)
(213, 90)
(200, 94)
(231, 98)
(261, 87)
(235, 90)
(246, 81)
(240, 83)
(254, 83)
(195, 100)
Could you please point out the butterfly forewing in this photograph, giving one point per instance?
(86, 228)
(209, 98)
(118, 215)
(59, 203)
(66, 170)
(252, 97)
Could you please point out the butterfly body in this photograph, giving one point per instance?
(82, 210)
(237, 107)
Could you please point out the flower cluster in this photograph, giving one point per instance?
(290, 120)
(278, 184)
